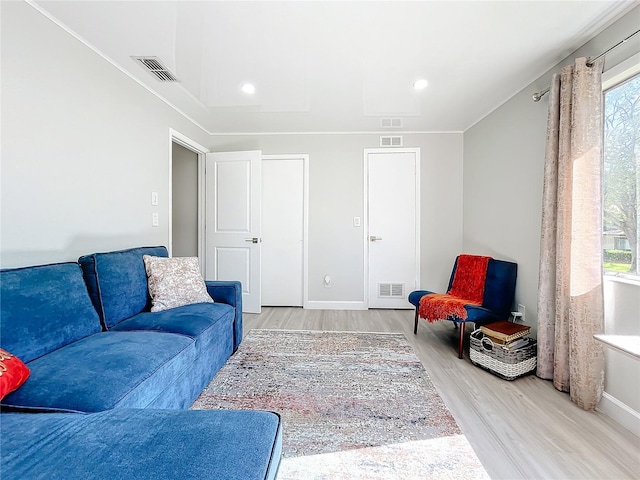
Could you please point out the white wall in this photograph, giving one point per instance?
(622, 376)
(503, 171)
(503, 191)
(336, 195)
(83, 147)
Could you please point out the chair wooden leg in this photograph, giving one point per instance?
(461, 343)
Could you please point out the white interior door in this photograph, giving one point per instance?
(232, 235)
(283, 214)
(393, 225)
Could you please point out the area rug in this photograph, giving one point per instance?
(354, 405)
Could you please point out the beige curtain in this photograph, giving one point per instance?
(570, 299)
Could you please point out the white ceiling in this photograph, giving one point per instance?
(337, 66)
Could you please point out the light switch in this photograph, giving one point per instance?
(154, 198)
(155, 219)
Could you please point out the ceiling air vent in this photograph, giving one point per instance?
(155, 66)
(391, 122)
(391, 141)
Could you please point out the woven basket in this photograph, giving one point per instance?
(506, 364)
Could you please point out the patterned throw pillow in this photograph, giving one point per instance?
(174, 282)
(13, 373)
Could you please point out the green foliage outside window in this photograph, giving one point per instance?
(618, 256)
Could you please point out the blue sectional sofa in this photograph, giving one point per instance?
(105, 366)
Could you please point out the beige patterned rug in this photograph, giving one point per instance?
(354, 406)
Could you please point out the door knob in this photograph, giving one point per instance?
(253, 240)
(373, 238)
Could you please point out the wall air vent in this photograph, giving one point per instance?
(391, 141)
(391, 290)
(391, 122)
(155, 66)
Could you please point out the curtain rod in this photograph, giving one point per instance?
(538, 95)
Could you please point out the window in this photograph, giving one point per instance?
(621, 177)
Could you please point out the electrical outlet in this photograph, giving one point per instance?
(521, 309)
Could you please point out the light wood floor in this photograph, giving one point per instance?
(523, 429)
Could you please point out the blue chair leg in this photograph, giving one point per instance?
(461, 342)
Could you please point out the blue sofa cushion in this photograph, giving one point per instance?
(43, 308)
(106, 370)
(128, 444)
(117, 282)
(191, 320)
(210, 324)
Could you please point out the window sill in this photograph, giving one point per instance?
(622, 278)
(627, 344)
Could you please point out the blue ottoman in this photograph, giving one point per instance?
(141, 444)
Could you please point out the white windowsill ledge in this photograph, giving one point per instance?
(629, 279)
(627, 344)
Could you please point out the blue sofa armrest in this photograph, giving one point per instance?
(229, 292)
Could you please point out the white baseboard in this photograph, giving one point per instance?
(620, 413)
(320, 305)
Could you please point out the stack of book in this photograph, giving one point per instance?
(508, 335)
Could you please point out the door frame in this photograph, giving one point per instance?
(305, 218)
(200, 151)
(365, 223)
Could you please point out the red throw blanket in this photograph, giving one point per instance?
(467, 288)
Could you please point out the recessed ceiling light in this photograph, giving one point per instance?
(420, 84)
(248, 88)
